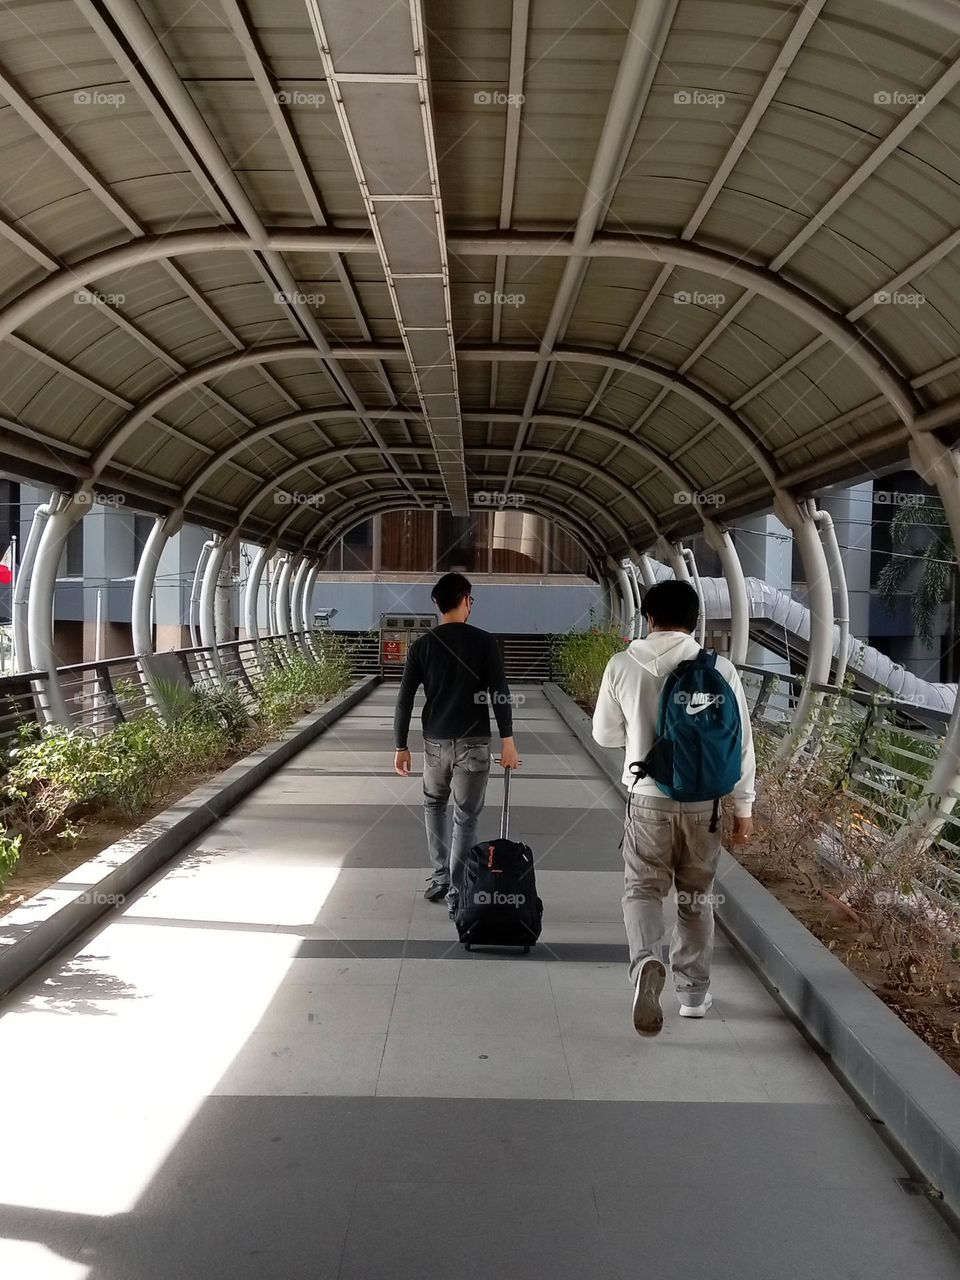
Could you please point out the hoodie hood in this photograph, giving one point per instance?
(660, 652)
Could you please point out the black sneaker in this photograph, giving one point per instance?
(435, 890)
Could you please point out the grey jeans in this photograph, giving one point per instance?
(668, 844)
(457, 767)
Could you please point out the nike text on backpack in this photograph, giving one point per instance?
(696, 754)
(497, 903)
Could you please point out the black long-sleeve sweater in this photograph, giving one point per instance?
(461, 672)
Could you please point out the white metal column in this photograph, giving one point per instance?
(626, 596)
(306, 607)
(296, 605)
(719, 539)
(65, 511)
(691, 562)
(841, 596)
(631, 569)
(21, 590)
(164, 527)
(672, 554)
(251, 596)
(801, 518)
(940, 467)
(194, 604)
(282, 606)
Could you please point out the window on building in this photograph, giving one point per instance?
(358, 548)
(406, 542)
(72, 563)
(518, 542)
(141, 531)
(463, 542)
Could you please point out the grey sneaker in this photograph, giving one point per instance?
(647, 1013)
(435, 890)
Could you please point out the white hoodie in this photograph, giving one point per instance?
(629, 699)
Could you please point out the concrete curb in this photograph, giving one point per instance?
(39, 928)
(901, 1082)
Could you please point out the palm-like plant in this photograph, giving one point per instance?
(932, 553)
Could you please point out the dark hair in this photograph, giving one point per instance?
(450, 591)
(672, 604)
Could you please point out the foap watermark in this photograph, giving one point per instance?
(497, 98)
(94, 298)
(86, 499)
(898, 298)
(897, 98)
(697, 701)
(498, 899)
(494, 698)
(693, 498)
(484, 298)
(889, 498)
(496, 498)
(696, 298)
(299, 98)
(698, 899)
(299, 298)
(98, 98)
(296, 498)
(698, 98)
(99, 899)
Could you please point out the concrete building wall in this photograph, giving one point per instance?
(537, 607)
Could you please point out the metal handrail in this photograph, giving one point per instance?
(91, 687)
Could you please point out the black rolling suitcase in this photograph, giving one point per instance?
(497, 904)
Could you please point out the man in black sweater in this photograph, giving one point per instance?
(461, 672)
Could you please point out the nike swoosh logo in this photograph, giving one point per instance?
(694, 709)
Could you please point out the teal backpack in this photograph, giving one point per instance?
(697, 750)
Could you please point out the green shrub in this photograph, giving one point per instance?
(581, 658)
(59, 774)
(9, 854)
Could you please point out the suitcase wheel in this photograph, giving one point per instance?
(466, 946)
(526, 951)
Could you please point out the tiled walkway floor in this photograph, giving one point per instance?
(276, 1063)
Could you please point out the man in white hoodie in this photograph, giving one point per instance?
(666, 841)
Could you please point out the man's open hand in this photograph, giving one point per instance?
(742, 830)
(403, 763)
(508, 754)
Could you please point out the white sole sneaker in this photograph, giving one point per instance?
(697, 1010)
(647, 1012)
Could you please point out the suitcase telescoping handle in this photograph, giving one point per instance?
(505, 815)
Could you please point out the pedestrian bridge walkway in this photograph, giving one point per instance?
(276, 1061)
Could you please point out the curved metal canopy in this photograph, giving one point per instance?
(405, 252)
